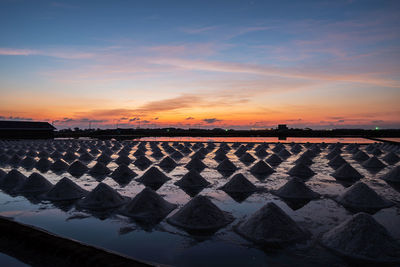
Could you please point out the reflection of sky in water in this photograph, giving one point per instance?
(169, 245)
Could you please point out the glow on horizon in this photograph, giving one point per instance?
(317, 65)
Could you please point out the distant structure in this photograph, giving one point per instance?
(282, 127)
(26, 130)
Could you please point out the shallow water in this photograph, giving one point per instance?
(167, 244)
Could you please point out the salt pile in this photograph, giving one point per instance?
(65, 190)
(362, 237)
(296, 148)
(123, 174)
(2, 174)
(240, 151)
(220, 157)
(142, 162)
(239, 184)
(373, 163)
(336, 162)
(28, 162)
(361, 156)
(296, 189)
(177, 155)
(86, 157)
(59, 165)
(56, 155)
(153, 178)
(195, 164)
(261, 168)
(391, 158)
(270, 225)
(261, 153)
(167, 164)
(336, 151)
(274, 160)
(200, 214)
(35, 183)
(247, 158)
(301, 170)
(148, 206)
(99, 169)
(69, 156)
(192, 180)
(157, 154)
(13, 179)
(360, 197)
(226, 166)
(104, 158)
(43, 164)
(304, 159)
(393, 175)
(284, 153)
(278, 147)
(376, 152)
(77, 168)
(347, 172)
(102, 197)
(123, 159)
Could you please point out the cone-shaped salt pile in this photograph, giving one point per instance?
(240, 151)
(94, 151)
(56, 155)
(103, 197)
(393, 175)
(239, 184)
(153, 178)
(195, 164)
(123, 174)
(261, 168)
(12, 180)
(220, 157)
(59, 165)
(28, 162)
(391, 158)
(284, 153)
(200, 214)
(336, 151)
(336, 162)
(177, 155)
(167, 163)
(64, 190)
(226, 166)
(69, 156)
(278, 147)
(373, 163)
(192, 179)
(247, 158)
(148, 206)
(361, 156)
(123, 159)
(261, 153)
(295, 188)
(99, 169)
(104, 158)
(301, 170)
(77, 168)
(360, 197)
(347, 173)
(43, 164)
(304, 159)
(361, 237)
(142, 162)
(86, 157)
(157, 154)
(270, 225)
(35, 183)
(274, 160)
(2, 174)
(296, 148)
(376, 152)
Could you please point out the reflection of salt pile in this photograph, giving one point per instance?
(65, 189)
(77, 168)
(360, 156)
(391, 158)
(261, 168)
(271, 226)
(153, 178)
(59, 165)
(35, 183)
(295, 188)
(195, 164)
(301, 170)
(347, 172)
(101, 198)
(247, 158)
(13, 179)
(362, 237)
(200, 214)
(361, 197)
(192, 180)
(393, 175)
(167, 163)
(99, 169)
(148, 206)
(123, 174)
(274, 160)
(226, 166)
(373, 163)
(239, 184)
(336, 162)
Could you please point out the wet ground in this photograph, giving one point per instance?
(167, 244)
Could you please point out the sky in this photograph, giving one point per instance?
(201, 64)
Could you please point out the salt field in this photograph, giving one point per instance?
(211, 201)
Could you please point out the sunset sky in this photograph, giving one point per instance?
(230, 64)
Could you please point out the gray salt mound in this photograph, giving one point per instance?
(104, 158)
(148, 206)
(361, 197)
(336, 162)
(200, 214)
(192, 179)
(373, 163)
(86, 157)
(284, 153)
(123, 174)
(226, 166)
(247, 158)
(65, 190)
(261, 153)
(2, 174)
(376, 152)
(261, 168)
(295, 188)
(301, 170)
(347, 172)
(278, 147)
(240, 151)
(362, 237)
(361, 156)
(28, 162)
(99, 169)
(220, 157)
(69, 156)
(270, 225)
(59, 165)
(336, 151)
(157, 154)
(56, 155)
(177, 155)
(239, 184)
(77, 168)
(142, 162)
(123, 159)
(274, 160)
(12, 180)
(35, 183)
(391, 158)
(393, 175)
(167, 163)
(153, 177)
(103, 197)
(195, 164)
(304, 159)
(296, 148)
(43, 164)
(14, 160)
